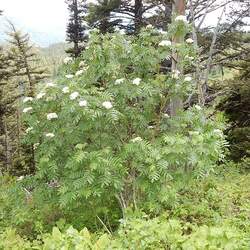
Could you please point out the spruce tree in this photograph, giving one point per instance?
(8, 98)
(26, 73)
(3, 77)
(128, 15)
(76, 29)
(25, 60)
(101, 15)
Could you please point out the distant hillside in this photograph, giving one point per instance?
(52, 56)
(55, 49)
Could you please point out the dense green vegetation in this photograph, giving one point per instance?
(138, 142)
(208, 214)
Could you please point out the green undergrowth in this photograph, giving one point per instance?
(211, 213)
(221, 198)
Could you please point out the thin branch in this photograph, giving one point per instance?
(210, 57)
(197, 74)
(106, 228)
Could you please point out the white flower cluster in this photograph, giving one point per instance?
(119, 81)
(163, 32)
(49, 135)
(166, 43)
(83, 103)
(74, 95)
(198, 107)
(107, 105)
(69, 76)
(52, 116)
(136, 139)
(136, 81)
(189, 57)
(27, 99)
(50, 85)
(175, 74)
(188, 79)
(67, 60)
(189, 40)
(20, 178)
(40, 95)
(79, 72)
(82, 64)
(149, 26)
(28, 129)
(218, 132)
(194, 132)
(181, 18)
(65, 90)
(28, 109)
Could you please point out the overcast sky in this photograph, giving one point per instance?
(45, 20)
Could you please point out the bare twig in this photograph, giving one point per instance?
(106, 228)
(197, 74)
(211, 51)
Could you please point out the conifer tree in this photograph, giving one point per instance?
(26, 74)
(102, 15)
(76, 29)
(8, 98)
(4, 75)
(25, 60)
(128, 15)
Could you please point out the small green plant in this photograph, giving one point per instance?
(10, 240)
(72, 239)
(141, 234)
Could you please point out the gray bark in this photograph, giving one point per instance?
(176, 102)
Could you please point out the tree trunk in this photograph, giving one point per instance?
(211, 52)
(18, 133)
(138, 15)
(76, 41)
(8, 159)
(167, 13)
(201, 96)
(2, 141)
(176, 102)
